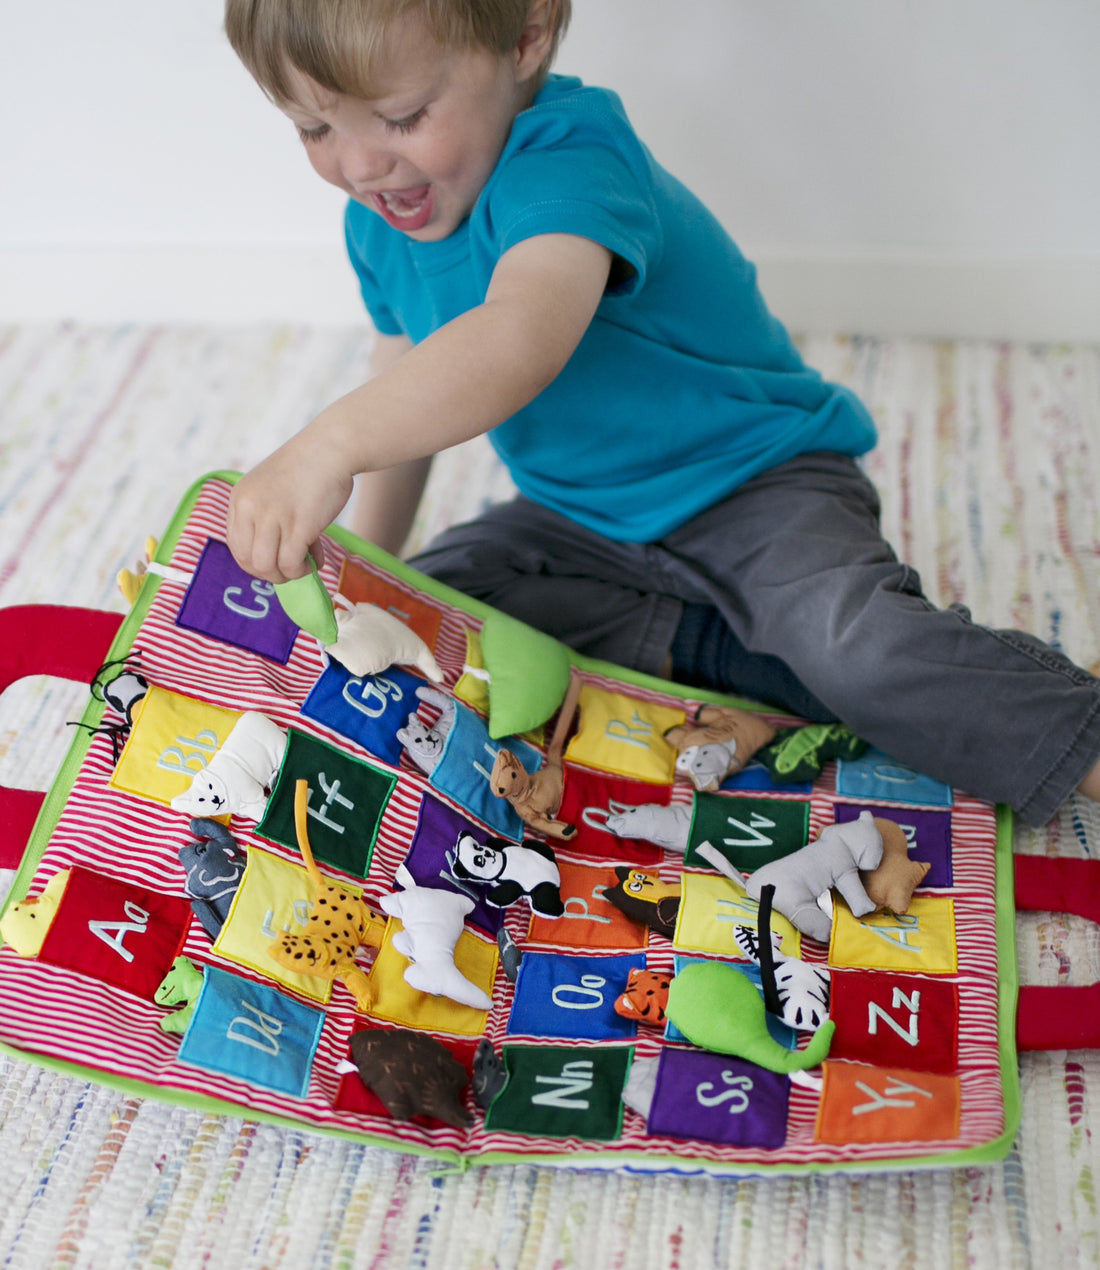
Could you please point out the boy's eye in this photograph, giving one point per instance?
(407, 124)
(313, 134)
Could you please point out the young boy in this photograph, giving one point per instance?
(689, 492)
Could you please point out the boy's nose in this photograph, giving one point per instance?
(364, 165)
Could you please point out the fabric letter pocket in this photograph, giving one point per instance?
(880, 1104)
(252, 1032)
(572, 997)
(367, 710)
(173, 738)
(347, 797)
(232, 606)
(116, 932)
(361, 586)
(562, 1092)
(275, 896)
(718, 1099)
(922, 941)
(903, 1021)
(463, 771)
(625, 736)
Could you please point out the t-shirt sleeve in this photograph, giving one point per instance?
(574, 177)
(380, 313)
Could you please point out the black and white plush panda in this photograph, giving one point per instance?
(517, 869)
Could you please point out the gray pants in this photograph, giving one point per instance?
(796, 564)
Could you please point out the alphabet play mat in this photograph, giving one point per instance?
(475, 993)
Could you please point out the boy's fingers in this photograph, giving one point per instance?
(292, 559)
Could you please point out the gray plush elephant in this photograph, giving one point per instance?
(214, 866)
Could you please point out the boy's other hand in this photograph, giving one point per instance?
(279, 510)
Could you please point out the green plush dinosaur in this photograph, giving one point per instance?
(180, 986)
(719, 1009)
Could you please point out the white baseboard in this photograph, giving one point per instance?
(1039, 300)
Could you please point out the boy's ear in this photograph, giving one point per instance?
(535, 39)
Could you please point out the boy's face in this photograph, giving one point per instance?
(420, 152)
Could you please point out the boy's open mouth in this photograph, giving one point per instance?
(407, 210)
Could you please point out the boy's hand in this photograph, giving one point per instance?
(278, 511)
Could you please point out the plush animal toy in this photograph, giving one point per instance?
(641, 1085)
(433, 919)
(412, 1073)
(833, 860)
(423, 744)
(645, 898)
(719, 1009)
(799, 754)
(119, 685)
(338, 923)
(645, 998)
(214, 866)
(892, 884)
(180, 986)
(489, 1074)
(537, 796)
(666, 825)
(237, 779)
(25, 925)
(511, 955)
(371, 639)
(517, 869)
(802, 989)
(718, 741)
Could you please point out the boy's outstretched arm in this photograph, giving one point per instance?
(463, 380)
(386, 501)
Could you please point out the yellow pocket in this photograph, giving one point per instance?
(625, 735)
(173, 738)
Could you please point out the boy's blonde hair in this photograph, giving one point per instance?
(337, 43)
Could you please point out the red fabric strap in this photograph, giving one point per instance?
(41, 639)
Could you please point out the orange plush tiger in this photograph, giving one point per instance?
(645, 997)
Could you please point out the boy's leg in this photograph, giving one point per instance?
(796, 563)
(598, 597)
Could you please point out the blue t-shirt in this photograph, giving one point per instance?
(682, 388)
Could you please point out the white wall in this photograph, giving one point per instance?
(917, 166)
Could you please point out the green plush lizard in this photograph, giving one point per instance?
(799, 754)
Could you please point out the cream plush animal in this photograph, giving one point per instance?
(238, 778)
(371, 639)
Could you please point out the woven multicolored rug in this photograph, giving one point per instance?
(989, 466)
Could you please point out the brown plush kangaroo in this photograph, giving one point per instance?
(537, 797)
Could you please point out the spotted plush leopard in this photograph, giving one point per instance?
(338, 923)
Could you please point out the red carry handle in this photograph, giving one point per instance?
(45, 639)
